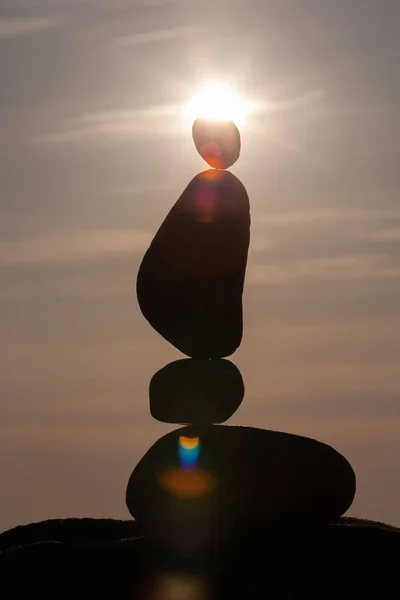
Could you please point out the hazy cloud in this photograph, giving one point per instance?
(330, 214)
(336, 268)
(389, 235)
(32, 5)
(157, 36)
(302, 100)
(114, 125)
(11, 27)
(74, 246)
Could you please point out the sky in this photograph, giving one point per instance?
(93, 154)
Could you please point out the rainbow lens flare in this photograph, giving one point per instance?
(206, 202)
(187, 484)
(189, 451)
(187, 481)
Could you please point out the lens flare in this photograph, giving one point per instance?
(187, 481)
(187, 484)
(176, 586)
(189, 443)
(205, 203)
(211, 152)
(212, 176)
(188, 451)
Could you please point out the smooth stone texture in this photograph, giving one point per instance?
(196, 391)
(191, 279)
(218, 142)
(245, 478)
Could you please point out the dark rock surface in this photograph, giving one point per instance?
(69, 530)
(218, 142)
(196, 391)
(348, 559)
(190, 282)
(244, 477)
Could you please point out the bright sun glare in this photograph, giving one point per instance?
(217, 102)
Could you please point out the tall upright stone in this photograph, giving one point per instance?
(191, 279)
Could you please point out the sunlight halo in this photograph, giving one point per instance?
(217, 101)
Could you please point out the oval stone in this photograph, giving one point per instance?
(218, 142)
(191, 279)
(196, 391)
(205, 482)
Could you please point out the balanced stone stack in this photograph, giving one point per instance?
(203, 483)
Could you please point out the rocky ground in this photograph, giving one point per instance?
(91, 558)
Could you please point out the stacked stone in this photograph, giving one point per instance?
(205, 482)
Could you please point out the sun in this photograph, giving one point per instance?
(218, 102)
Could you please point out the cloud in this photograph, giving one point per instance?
(11, 27)
(150, 3)
(300, 244)
(317, 215)
(159, 35)
(73, 246)
(303, 100)
(116, 125)
(350, 268)
(389, 235)
(112, 283)
(33, 5)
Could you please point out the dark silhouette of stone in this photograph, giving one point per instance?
(69, 530)
(196, 391)
(243, 477)
(351, 559)
(190, 282)
(218, 142)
